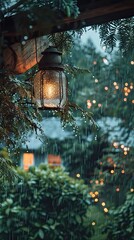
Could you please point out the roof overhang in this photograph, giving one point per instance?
(47, 21)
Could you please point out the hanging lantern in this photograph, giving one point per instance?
(50, 85)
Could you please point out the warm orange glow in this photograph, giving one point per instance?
(54, 160)
(96, 199)
(103, 204)
(28, 160)
(105, 210)
(96, 193)
(51, 90)
(93, 195)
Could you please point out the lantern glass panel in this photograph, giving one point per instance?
(50, 89)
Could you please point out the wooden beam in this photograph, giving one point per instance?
(19, 58)
(14, 28)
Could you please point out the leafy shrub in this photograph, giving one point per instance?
(45, 204)
(121, 226)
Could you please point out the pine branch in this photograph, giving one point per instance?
(75, 71)
(7, 168)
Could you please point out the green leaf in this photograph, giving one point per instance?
(78, 219)
(41, 233)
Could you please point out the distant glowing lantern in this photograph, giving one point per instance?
(50, 85)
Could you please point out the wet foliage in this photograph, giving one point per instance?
(45, 203)
(121, 223)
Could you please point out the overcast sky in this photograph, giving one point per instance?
(94, 36)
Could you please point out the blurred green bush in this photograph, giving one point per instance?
(45, 203)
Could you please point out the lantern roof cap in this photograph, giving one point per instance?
(51, 50)
(51, 59)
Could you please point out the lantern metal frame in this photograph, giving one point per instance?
(51, 60)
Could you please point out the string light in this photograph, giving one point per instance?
(122, 171)
(132, 101)
(105, 61)
(132, 62)
(94, 101)
(93, 223)
(106, 88)
(78, 175)
(96, 80)
(101, 182)
(131, 190)
(93, 195)
(105, 210)
(117, 189)
(89, 104)
(99, 105)
(116, 87)
(125, 89)
(125, 99)
(96, 193)
(103, 204)
(115, 83)
(115, 144)
(125, 153)
(96, 199)
(112, 171)
(97, 182)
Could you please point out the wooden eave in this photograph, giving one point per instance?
(15, 27)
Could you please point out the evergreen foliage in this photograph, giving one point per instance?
(121, 223)
(69, 8)
(7, 168)
(17, 116)
(117, 33)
